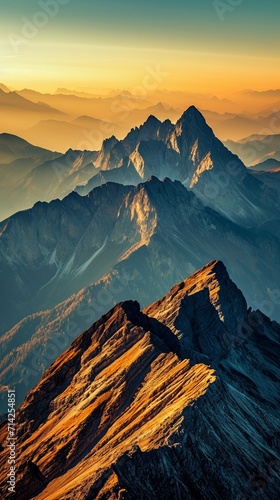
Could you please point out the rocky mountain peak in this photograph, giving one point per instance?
(119, 385)
(124, 404)
(108, 144)
(152, 129)
(194, 120)
(151, 121)
(215, 287)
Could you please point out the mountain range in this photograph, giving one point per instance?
(30, 173)
(106, 246)
(187, 151)
(171, 397)
(257, 149)
(49, 119)
(64, 263)
(179, 400)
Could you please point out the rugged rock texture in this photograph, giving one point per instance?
(241, 344)
(188, 151)
(104, 248)
(43, 247)
(117, 242)
(53, 250)
(130, 411)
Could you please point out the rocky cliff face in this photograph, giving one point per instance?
(172, 402)
(43, 247)
(53, 250)
(117, 242)
(188, 151)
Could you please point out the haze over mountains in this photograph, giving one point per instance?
(57, 121)
(139, 250)
(80, 124)
(187, 151)
(257, 149)
(127, 231)
(143, 396)
(91, 236)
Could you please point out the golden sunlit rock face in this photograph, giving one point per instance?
(227, 300)
(118, 386)
(124, 412)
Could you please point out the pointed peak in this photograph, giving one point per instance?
(203, 277)
(192, 114)
(108, 144)
(193, 123)
(192, 109)
(153, 180)
(214, 271)
(110, 139)
(152, 120)
(221, 292)
(216, 266)
(160, 104)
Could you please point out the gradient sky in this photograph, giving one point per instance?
(94, 45)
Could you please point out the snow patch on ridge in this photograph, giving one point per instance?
(52, 259)
(68, 267)
(84, 266)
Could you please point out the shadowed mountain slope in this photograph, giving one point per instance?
(128, 412)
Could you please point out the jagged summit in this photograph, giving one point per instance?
(223, 294)
(109, 143)
(152, 129)
(187, 151)
(193, 126)
(193, 115)
(151, 120)
(126, 385)
(107, 414)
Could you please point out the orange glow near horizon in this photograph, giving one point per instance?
(178, 55)
(103, 68)
(100, 46)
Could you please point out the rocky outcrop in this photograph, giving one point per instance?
(164, 403)
(188, 151)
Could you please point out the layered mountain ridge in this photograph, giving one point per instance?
(187, 151)
(176, 401)
(64, 263)
(105, 247)
(171, 397)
